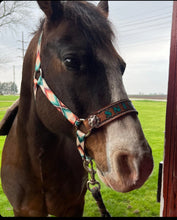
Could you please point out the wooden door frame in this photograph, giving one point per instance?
(169, 183)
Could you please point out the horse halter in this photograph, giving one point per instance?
(94, 121)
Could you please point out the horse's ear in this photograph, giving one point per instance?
(52, 9)
(103, 5)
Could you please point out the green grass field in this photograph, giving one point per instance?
(138, 203)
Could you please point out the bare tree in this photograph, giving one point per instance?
(14, 12)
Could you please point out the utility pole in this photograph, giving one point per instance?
(14, 79)
(23, 50)
(23, 46)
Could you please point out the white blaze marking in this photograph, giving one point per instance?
(117, 93)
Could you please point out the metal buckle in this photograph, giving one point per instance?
(89, 132)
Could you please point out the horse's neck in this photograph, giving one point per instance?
(27, 79)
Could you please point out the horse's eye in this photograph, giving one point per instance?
(72, 64)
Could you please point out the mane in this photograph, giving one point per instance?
(95, 27)
(88, 18)
(39, 26)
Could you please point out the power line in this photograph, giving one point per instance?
(143, 43)
(148, 28)
(156, 10)
(147, 17)
(144, 23)
(142, 39)
(129, 24)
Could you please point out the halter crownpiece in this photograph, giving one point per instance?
(94, 121)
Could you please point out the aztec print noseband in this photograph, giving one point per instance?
(95, 120)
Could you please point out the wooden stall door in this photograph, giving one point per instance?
(169, 193)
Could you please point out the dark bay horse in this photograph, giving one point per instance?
(71, 62)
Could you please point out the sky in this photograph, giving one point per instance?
(142, 30)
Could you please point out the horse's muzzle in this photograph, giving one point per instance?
(128, 171)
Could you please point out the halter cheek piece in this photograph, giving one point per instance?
(95, 120)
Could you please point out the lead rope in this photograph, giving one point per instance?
(96, 189)
(80, 141)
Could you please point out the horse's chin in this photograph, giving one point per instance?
(118, 185)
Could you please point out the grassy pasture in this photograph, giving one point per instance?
(138, 203)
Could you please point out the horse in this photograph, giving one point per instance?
(73, 107)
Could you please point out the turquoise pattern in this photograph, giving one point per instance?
(108, 114)
(124, 105)
(40, 82)
(116, 109)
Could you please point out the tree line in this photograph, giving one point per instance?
(7, 88)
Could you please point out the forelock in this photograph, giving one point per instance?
(92, 23)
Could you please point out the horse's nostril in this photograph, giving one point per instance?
(123, 165)
(126, 168)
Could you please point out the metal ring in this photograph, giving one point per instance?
(88, 133)
(81, 119)
(38, 71)
(93, 183)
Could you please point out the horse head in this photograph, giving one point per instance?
(82, 67)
